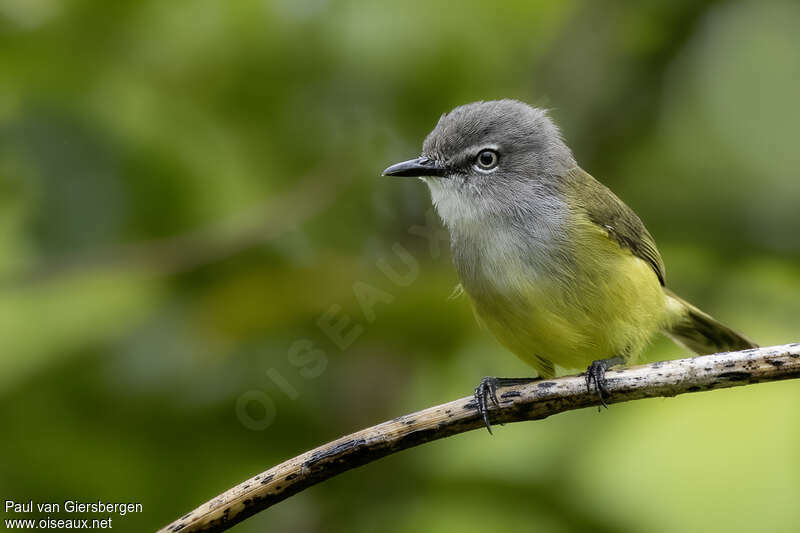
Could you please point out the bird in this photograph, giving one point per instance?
(559, 269)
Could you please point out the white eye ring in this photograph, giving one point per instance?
(487, 160)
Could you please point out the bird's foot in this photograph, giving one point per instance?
(486, 391)
(596, 374)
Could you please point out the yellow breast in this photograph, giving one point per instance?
(602, 302)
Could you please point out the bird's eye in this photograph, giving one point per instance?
(487, 160)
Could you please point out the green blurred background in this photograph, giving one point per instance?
(186, 187)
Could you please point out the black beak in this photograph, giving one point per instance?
(421, 166)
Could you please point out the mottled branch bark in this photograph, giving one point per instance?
(532, 401)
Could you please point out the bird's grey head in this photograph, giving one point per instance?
(490, 158)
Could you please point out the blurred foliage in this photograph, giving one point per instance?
(123, 354)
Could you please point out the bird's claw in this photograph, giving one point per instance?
(596, 374)
(486, 392)
(487, 388)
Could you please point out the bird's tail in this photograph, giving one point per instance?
(698, 331)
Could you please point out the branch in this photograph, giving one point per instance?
(532, 401)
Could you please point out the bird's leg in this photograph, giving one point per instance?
(596, 373)
(487, 390)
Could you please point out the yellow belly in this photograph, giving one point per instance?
(610, 303)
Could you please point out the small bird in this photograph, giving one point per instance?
(558, 268)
